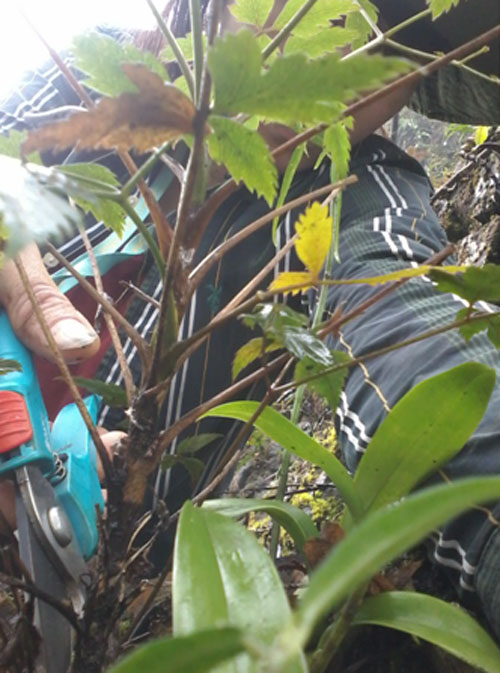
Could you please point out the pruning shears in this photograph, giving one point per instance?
(57, 495)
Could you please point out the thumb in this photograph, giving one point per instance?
(71, 330)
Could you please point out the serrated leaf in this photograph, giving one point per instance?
(222, 575)
(438, 7)
(245, 154)
(110, 212)
(254, 12)
(293, 89)
(319, 16)
(197, 442)
(101, 58)
(33, 205)
(328, 39)
(357, 22)
(330, 384)
(10, 145)
(7, 366)
(489, 323)
(295, 440)
(443, 624)
(338, 146)
(111, 394)
(314, 229)
(290, 279)
(293, 520)
(157, 113)
(424, 430)
(249, 352)
(474, 285)
(199, 652)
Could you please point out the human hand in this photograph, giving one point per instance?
(71, 330)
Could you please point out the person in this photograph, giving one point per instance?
(387, 222)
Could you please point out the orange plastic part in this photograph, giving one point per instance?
(15, 424)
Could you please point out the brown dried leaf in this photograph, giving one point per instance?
(315, 549)
(156, 113)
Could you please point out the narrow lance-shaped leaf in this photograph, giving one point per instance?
(382, 536)
(424, 430)
(199, 652)
(245, 154)
(441, 623)
(112, 394)
(223, 576)
(293, 520)
(286, 182)
(292, 438)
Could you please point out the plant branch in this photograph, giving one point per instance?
(133, 335)
(287, 29)
(115, 339)
(174, 45)
(143, 171)
(213, 257)
(63, 367)
(196, 36)
(146, 234)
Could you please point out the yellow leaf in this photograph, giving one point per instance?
(156, 113)
(290, 279)
(249, 352)
(481, 134)
(314, 228)
(402, 274)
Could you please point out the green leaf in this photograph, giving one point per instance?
(274, 318)
(381, 536)
(338, 146)
(426, 428)
(441, 623)
(197, 442)
(293, 89)
(292, 438)
(330, 384)
(254, 12)
(315, 45)
(302, 343)
(186, 47)
(196, 653)
(10, 145)
(359, 24)
(33, 203)
(249, 352)
(101, 57)
(489, 323)
(223, 576)
(320, 16)
(194, 466)
(7, 366)
(245, 154)
(112, 395)
(474, 285)
(90, 175)
(294, 520)
(438, 7)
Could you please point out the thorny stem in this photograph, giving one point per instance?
(174, 45)
(287, 29)
(133, 335)
(63, 367)
(117, 345)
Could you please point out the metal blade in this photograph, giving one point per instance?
(55, 630)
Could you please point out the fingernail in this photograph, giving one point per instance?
(70, 333)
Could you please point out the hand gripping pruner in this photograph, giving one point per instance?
(57, 493)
